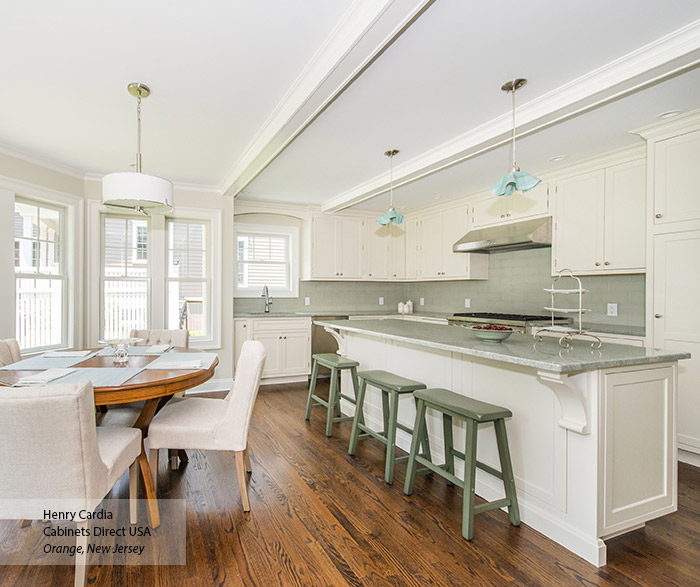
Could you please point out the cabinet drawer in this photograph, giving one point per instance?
(278, 324)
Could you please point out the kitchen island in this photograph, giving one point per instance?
(593, 433)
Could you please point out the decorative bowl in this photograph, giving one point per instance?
(491, 335)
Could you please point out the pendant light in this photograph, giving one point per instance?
(136, 191)
(515, 180)
(391, 216)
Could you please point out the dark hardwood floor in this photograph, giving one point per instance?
(320, 517)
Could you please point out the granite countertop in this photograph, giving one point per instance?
(519, 349)
(321, 313)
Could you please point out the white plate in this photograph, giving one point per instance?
(491, 335)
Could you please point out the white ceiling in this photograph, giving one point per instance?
(239, 89)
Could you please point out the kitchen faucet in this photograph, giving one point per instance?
(268, 300)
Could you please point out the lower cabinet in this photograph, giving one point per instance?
(287, 342)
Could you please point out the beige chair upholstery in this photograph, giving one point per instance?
(214, 424)
(53, 451)
(179, 338)
(9, 352)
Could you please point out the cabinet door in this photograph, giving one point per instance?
(323, 247)
(675, 189)
(532, 203)
(241, 333)
(578, 223)
(378, 241)
(273, 347)
(676, 295)
(491, 210)
(349, 232)
(431, 244)
(296, 353)
(413, 249)
(397, 252)
(455, 224)
(625, 217)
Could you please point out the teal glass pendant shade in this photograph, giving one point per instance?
(391, 216)
(515, 181)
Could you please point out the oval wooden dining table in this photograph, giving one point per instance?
(150, 385)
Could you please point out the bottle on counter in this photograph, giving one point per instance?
(409, 306)
(402, 308)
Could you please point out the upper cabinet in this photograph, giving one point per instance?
(675, 192)
(385, 251)
(429, 241)
(336, 247)
(501, 209)
(599, 220)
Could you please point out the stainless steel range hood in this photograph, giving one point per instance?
(522, 234)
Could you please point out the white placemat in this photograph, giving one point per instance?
(134, 351)
(101, 376)
(173, 360)
(42, 363)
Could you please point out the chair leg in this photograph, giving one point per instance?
(172, 459)
(133, 491)
(355, 390)
(391, 438)
(182, 455)
(338, 388)
(385, 411)
(312, 389)
(153, 461)
(246, 459)
(332, 399)
(411, 470)
(449, 443)
(242, 480)
(507, 471)
(469, 480)
(81, 555)
(357, 418)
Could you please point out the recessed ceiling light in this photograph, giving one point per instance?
(436, 197)
(558, 158)
(668, 114)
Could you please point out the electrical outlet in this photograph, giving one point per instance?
(422, 301)
(381, 301)
(612, 309)
(307, 301)
(467, 303)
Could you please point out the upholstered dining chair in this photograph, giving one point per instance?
(52, 451)
(179, 338)
(214, 424)
(9, 352)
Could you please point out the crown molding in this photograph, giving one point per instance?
(365, 31)
(687, 121)
(33, 159)
(664, 58)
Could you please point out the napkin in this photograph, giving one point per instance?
(44, 377)
(59, 354)
(157, 349)
(194, 364)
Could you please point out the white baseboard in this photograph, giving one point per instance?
(287, 379)
(689, 458)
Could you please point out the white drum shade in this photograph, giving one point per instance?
(137, 191)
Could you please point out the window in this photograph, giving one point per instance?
(125, 276)
(189, 287)
(40, 279)
(267, 255)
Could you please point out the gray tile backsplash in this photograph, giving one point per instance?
(516, 282)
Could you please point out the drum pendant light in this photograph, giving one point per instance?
(391, 216)
(514, 180)
(136, 191)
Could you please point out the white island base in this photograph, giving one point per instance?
(593, 451)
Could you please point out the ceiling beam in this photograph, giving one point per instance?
(362, 35)
(651, 64)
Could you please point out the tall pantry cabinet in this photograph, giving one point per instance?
(673, 254)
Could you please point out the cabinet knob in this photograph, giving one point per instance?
(597, 263)
(659, 215)
(607, 262)
(370, 275)
(657, 315)
(245, 325)
(507, 214)
(503, 215)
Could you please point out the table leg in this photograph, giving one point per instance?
(144, 419)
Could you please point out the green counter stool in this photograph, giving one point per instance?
(392, 387)
(336, 364)
(474, 412)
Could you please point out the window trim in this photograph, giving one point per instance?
(269, 229)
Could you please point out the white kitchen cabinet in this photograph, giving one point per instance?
(385, 251)
(429, 241)
(336, 247)
(599, 222)
(676, 322)
(675, 189)
(502, 209)
(287, 342)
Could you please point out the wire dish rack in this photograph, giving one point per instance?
(567, 333)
